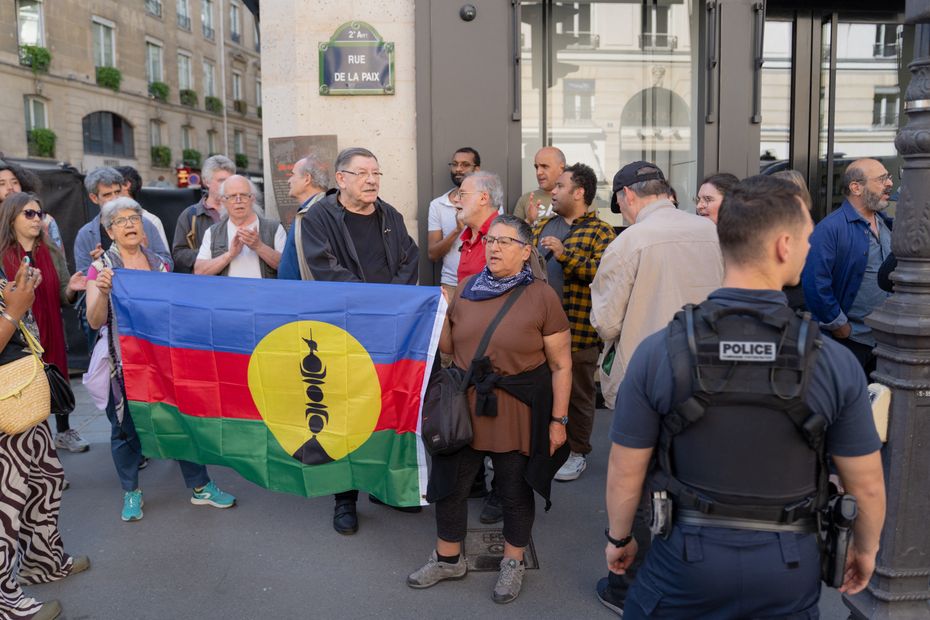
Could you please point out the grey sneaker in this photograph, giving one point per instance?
(71, 441)
(509, 581)
(435, 571)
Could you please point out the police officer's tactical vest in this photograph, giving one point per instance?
(744, 444)
(219, 243)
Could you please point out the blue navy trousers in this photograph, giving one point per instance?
(719, 573)
(127, 453)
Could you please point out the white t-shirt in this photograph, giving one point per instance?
(246, 264)
(442, 218)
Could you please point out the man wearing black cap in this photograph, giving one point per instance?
(665, 259)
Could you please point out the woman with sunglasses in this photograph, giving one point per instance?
(22, 234)
(519, 404)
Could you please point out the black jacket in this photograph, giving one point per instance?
(331, 254)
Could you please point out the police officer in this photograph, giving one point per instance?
(740, 400)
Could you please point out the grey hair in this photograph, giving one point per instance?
(853, 174)
(257, 196)
(102, 176)
(317, 169)
(346, 155)
(653, 187)
(490, 183)
(215, 163)
(111, 208)
(524, 232)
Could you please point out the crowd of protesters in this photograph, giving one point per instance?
(591, 298)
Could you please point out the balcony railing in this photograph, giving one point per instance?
(184, 22)
(658, 42)
(885, 50)
(208, 32)
(153, 7)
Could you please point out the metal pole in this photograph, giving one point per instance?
(900, 587)
(222, 24)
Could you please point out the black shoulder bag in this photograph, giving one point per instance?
(446, 426)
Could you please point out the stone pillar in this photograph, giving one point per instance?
(900, 588)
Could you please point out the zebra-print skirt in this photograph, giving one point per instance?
(30, 495)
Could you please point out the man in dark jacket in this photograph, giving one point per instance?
(351, 235)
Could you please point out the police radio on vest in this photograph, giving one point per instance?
(747, 351)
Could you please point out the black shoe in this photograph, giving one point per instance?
(492, 512)
(608, 598)
(409, 509)
(345, 519)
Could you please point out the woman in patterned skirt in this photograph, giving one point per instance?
(30, 479)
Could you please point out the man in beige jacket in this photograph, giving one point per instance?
(667, 258)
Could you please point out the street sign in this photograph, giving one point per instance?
(356, 61)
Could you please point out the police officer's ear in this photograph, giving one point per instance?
(783, 246)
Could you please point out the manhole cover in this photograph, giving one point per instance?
(484, 549)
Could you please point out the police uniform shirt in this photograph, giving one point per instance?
(837, 389)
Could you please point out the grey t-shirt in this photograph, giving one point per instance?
(556, 227)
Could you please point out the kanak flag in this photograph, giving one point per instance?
(309, 388)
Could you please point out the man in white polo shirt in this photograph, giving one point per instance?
(242, 244)
(444, 227)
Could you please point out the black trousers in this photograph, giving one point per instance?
(515, 493)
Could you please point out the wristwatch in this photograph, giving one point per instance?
(623, 542)
(563, 420)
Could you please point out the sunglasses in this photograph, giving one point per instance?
(32, 214)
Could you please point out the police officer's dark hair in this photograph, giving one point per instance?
(131, 176)
(346, 155)
(473, 152)
(751, 210)
(585, 178)
(28, 181)
(524, 232)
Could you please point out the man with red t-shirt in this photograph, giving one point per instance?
(480, 200)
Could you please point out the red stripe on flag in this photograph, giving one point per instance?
(214, 384)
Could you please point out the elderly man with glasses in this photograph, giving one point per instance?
(242, 244)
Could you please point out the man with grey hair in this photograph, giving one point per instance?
(309, 180)
(197, 218)
(351, 235)
(840, 278)
(480, 200)
(103, 185)
(242, 244)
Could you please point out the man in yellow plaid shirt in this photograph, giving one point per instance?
(572, 241)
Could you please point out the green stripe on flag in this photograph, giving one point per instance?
(386, 465)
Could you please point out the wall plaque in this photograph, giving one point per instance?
(355, 61)
(284, 153)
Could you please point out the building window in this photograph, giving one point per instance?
(235, 32)
(239, 141)
(258, 93)
(104, 32)
(236, 86)
(578, 99)
(209, 79)
(885, 108)
(211, 143)
(258, 36)
(31, 22)
(153, 62)
(656, 29)
(155, 129)
(106, 133)
(36, 114)
(185, 79)
(187, 137)
(184, 14)
(206, 18)
(153, 7)
(886, 40)
(261, 152)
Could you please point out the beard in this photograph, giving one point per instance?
(457, 179)
(875, 202)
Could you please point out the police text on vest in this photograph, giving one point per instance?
(747, 351)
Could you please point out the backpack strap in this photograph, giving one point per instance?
(486, 339)
(305, 273)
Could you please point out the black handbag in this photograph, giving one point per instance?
(62, 397)
(446, 426)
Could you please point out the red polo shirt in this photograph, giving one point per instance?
(473, 260)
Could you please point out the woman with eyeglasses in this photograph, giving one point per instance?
(122, 220)
(519, 404)
(710, 195)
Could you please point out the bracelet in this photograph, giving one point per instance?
(623, 542)
(12, 321)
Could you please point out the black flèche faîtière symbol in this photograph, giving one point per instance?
(313, 372)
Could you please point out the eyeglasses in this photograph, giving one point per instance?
(461, 193)
(125, 221)
(705, 199)
(883, 178)
(467, 165)
(238, 197)
(365, 174)
(32, 214)
(503, 242)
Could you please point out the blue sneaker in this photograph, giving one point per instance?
(211, 495)
(132, 505)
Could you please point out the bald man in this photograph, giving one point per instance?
(535, 205)
(848, 247)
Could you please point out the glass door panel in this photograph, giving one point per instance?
(775, 140)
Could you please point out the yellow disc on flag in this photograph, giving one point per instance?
(317, 389)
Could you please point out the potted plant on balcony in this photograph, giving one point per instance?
(191, 158)
(109, 77)
(213, 104)
(35, 57)
(159, 90)
(161, 156)
(188, 97)
(242, 161)
(41, 142)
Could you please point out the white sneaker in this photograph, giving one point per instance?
(572, 468)
(70, 440)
